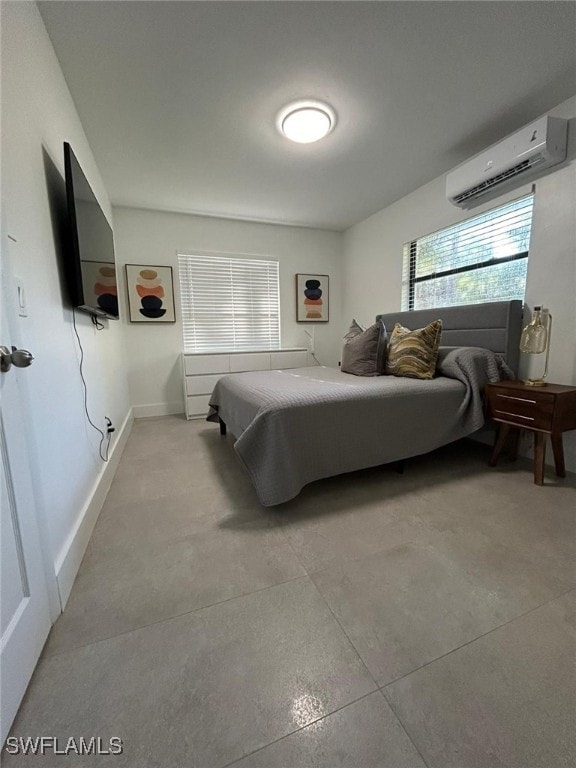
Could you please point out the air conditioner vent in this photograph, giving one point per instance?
(486, 186)
(510, 162)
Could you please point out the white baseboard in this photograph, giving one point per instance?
(157, 409)
(71, 554)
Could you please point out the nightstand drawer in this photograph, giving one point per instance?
(525, 409)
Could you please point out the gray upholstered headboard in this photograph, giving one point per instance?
(496, 326)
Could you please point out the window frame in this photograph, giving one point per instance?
(189, 314)
(410, 255)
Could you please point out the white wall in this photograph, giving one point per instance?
(38, 115)
(155, 238)
(372, 270)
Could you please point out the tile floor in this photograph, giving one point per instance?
(377, 621)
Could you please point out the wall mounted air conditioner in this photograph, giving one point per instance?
(512, 161)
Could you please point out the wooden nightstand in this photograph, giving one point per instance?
(549, 410)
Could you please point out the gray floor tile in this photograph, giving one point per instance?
(185, 476)
(170, 436)
(409, 604)
(203, 689)
(506, 700)
(538, 522)
(351, 523)
(184, 457)
(134, 524)
(117, 591)
(365, 734)
(413, 565)
(188, 460)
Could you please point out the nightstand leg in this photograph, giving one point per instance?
(558, 448)
(539, 456)
(499, 444)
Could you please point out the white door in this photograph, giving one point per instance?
(25, 613)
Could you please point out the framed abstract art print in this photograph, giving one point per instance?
(312, 298)
(150, 294)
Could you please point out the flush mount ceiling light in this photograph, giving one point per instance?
(306, 121)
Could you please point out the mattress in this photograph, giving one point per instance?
(300, 425)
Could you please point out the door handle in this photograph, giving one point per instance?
(20, 358)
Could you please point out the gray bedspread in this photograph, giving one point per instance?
(299, 425)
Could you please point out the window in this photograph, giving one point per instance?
(482, 259)
(229, 304)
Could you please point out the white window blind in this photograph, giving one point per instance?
(229, 304)
(482, 259)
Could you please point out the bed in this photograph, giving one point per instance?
(299, 425)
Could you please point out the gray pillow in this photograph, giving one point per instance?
(360, 353)
(382, 348)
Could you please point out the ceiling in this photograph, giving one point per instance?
(179, 99)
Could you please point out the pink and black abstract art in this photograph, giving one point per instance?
(312, 298)
(150, 294)
(151, 291)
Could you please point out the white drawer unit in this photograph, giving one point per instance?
(197, 406)
(249, 361)
(201, 385)
(198, 364)
(201, 372)
(297, 358)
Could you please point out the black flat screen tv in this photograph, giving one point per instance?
(90, 261)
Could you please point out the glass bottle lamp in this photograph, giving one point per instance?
(535, 339)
